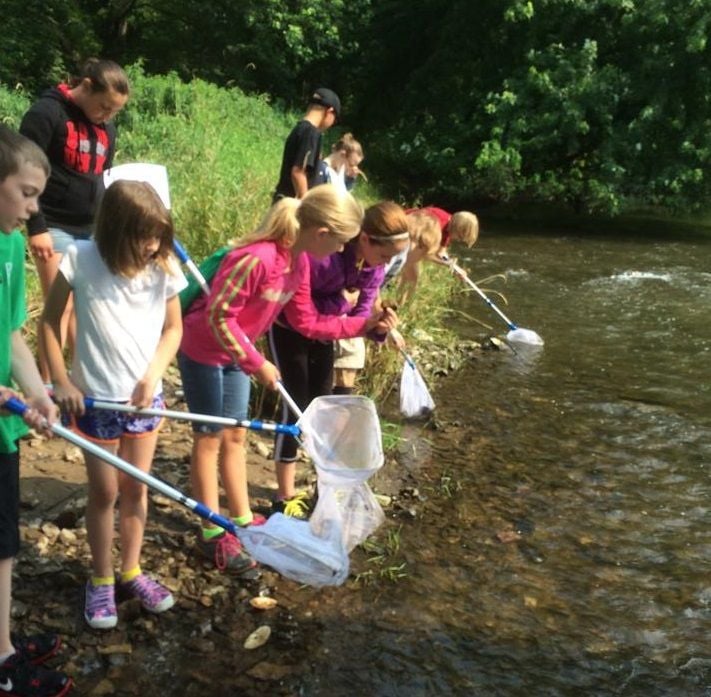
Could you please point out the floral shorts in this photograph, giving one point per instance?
(109, 426)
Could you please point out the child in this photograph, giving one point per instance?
(302, 150)
(23, 173)
(266, 272)
(343, 284)
(341, 167)
(125, 284)
(71, 123)
(462, 226)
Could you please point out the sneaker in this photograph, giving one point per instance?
(100, 606)
(257, 519)
(36, 648)
(19, 678)
(295, 507)
(227, 553)
(153, 596)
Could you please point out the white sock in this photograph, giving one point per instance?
(5, 656)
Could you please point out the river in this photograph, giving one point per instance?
(562, 542)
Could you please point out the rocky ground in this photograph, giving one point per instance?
(197, 647)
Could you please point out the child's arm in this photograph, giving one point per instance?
(25, 373)
(165, 352)
(300, 181)
(65, 393)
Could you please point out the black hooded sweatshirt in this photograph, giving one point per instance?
(79, 152)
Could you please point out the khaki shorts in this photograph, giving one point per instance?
(349, 353)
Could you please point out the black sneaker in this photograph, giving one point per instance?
(19, 678)
(36, 648)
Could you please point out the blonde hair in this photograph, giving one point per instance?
(385, 223)
(464, 226)
(425, 232)
(130, 213)
(322, 206)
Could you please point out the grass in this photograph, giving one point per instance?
(382, 559)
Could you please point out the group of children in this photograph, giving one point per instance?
(310, 274)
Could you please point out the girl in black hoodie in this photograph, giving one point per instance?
(72, 125)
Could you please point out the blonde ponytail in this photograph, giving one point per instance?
(322, 206)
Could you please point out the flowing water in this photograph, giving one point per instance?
(562, 545)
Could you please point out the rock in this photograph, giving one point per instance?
(105, 687)
(258, 637)
(269, 671)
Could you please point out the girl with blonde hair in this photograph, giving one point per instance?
(266, 273)
(345, 285)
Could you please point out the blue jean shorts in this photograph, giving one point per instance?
(214, 390)
(61, 239)
(106, 426)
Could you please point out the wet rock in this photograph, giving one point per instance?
(530, 553)
(506, 536)
(270, 671)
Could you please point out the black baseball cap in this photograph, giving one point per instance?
(328, 98)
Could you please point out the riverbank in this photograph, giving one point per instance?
(199, 643)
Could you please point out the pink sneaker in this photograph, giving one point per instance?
(100, 606)
(153, 596)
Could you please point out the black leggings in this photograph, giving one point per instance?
(306, 368)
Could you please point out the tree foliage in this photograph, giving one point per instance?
(597, 104)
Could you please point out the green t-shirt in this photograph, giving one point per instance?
(13, 313)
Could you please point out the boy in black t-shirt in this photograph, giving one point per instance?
(302, 150)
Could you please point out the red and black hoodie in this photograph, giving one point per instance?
(78, 150)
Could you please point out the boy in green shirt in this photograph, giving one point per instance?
(23, 173)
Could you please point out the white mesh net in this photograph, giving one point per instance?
(342, 435)
(415, 398)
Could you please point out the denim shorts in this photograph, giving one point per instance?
(106, 426)
(217, 390)
(61, 239)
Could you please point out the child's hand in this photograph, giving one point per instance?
(5, 394)
(69, 398)
(42, 414)
(351, 296)
(382, 322)
(142, 396)
(268, 375)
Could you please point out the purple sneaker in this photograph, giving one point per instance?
(100, 606)
(153, 596)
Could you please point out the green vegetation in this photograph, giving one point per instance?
(382, 550)
(223, 149)
(584, 105)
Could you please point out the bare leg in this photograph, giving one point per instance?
(286, 475)
(133, 503)
(103, 490)
(203, 470)
(5, 604)
(233, 470)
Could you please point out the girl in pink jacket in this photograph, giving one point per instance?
(266, 272)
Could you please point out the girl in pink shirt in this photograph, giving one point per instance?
(267, 272)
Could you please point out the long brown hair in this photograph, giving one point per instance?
(130, 213)
(385, 223)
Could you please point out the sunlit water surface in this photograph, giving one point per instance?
(594, 452)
